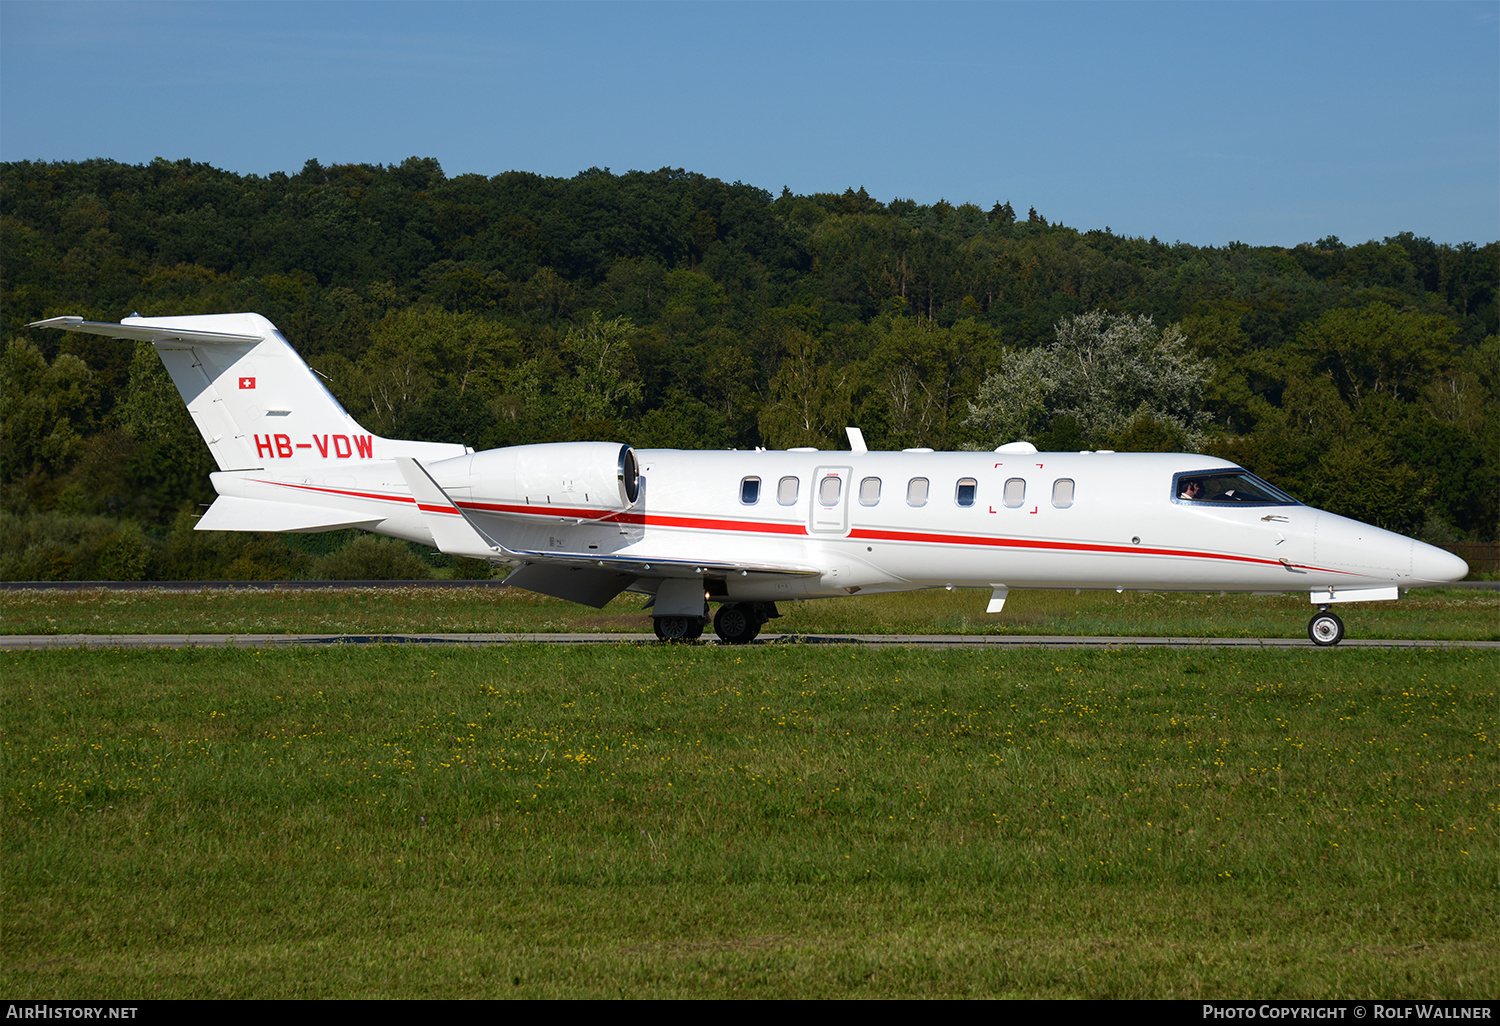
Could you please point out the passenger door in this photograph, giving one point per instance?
(828, 497)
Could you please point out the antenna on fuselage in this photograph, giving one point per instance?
(856, 440)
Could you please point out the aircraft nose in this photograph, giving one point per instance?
(1430, 563)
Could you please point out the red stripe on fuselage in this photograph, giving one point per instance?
(772, 527)
(870, 534)
(380, 496)
(706, 524)
(603, 516)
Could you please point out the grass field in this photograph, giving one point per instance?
(765, 822)
(1427, 614)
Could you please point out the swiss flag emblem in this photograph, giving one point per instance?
(247, 382)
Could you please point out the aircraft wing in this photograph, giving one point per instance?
(645, 566)
(590, 578)
(145, 333)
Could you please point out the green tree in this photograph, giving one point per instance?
(416, 352)
(1108, 369)
(1012, 404)
(922, 376)
(1378, 350)
(810, 401)
(1363, 480)
(165, 460)
(46, 412)
(368, 558)
(1103, 372)
(603, 383)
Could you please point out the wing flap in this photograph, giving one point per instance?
(646, 566)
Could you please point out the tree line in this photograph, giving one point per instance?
(668, 309)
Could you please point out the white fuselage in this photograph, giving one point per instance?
(1074, 520)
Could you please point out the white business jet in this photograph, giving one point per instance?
(585, 521)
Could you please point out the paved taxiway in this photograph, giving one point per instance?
(17, 642)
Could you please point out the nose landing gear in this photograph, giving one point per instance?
(1325, 628)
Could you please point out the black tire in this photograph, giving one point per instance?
(674, 628)
(1325, 629)
(735, 624)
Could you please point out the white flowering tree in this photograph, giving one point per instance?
(1103, 371)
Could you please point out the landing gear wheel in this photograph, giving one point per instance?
(1325, 629)
(736, 624)
(695, 628)
(675, 628)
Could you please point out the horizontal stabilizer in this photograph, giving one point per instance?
(233, 513)
(147, 332)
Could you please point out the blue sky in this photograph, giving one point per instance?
(1268, 123)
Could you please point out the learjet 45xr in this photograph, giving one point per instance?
(585, 521)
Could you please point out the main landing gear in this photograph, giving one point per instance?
(678, 628)
(1325, 628)
(736, 623)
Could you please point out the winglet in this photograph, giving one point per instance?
(451, 530)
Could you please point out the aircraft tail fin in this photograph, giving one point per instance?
(253, 399)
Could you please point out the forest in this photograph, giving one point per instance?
(669, 309)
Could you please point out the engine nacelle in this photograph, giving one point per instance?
(594, 475)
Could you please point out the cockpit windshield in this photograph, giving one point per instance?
(1237, 487)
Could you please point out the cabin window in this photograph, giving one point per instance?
(964, 496)
(830, 489)
(916, 492)
(750, 491)
(1015, 492)
(1062, 492)
(786, 491)
(869, 491)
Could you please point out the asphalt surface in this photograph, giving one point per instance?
(21, 642)
(397, 585)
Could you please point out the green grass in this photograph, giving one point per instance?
(1453, 615)
(772, 822)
